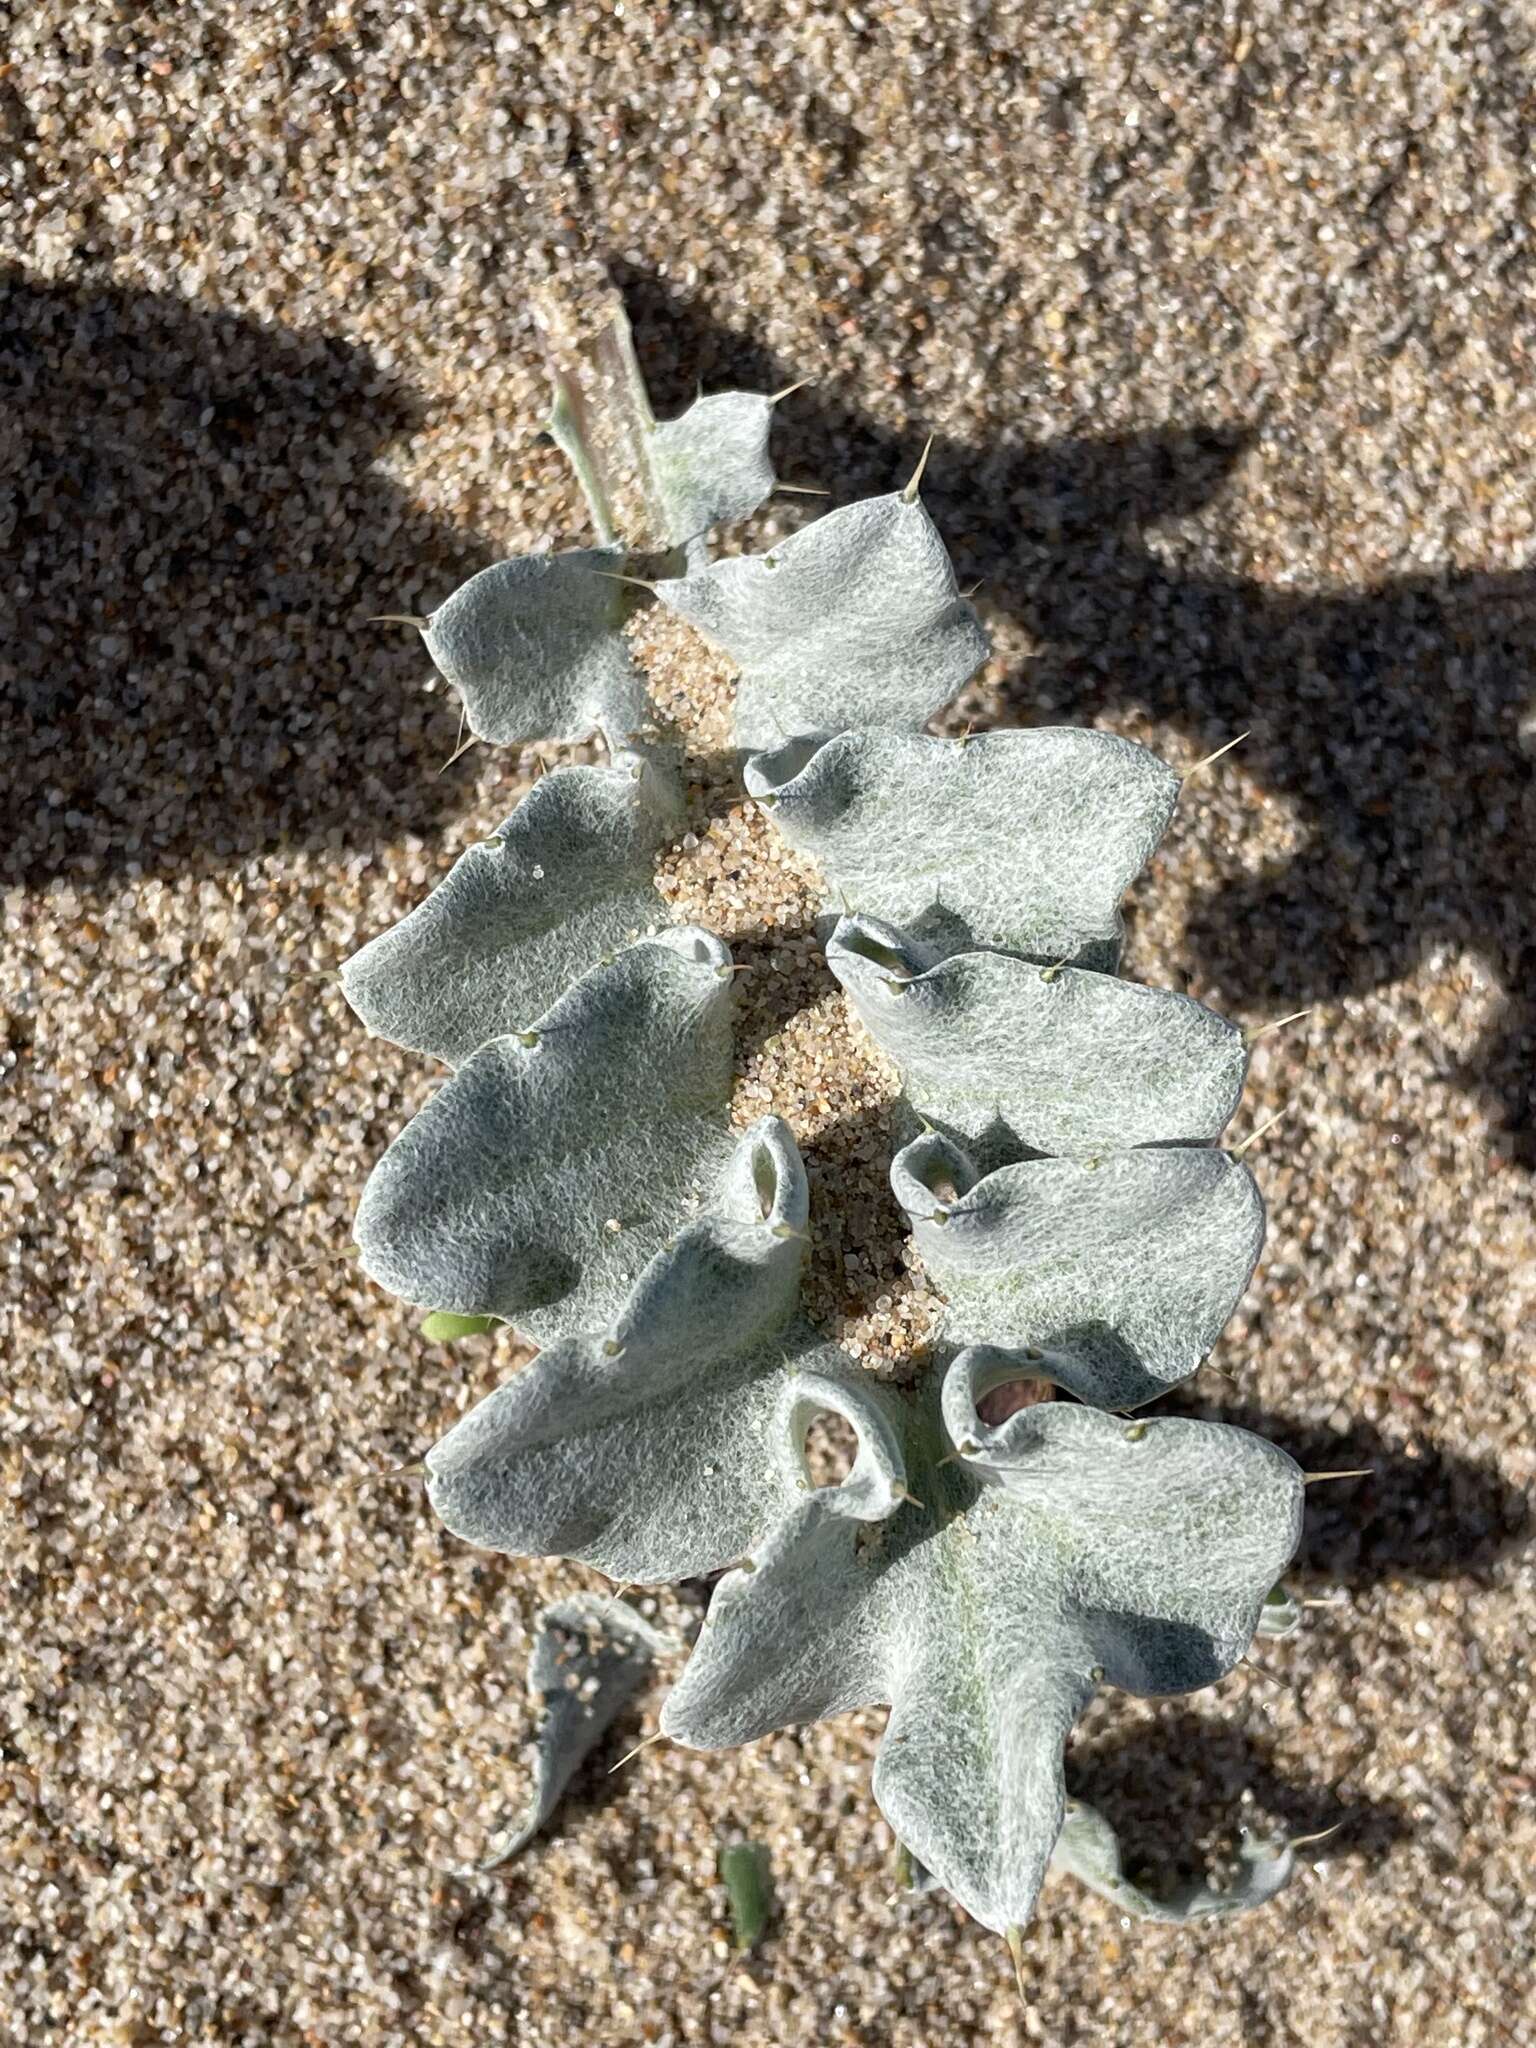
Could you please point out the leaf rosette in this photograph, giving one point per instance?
(979, 1570)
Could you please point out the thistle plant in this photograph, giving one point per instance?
(987, 1562)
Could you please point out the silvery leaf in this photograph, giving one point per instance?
(853, 621)
(519, 917)
(1089, 1849)
(711, 466)
(1114, 1277)
(1025, 841)
(544, 1175)
(1054, 1551)
(535, 648)
(590, 1656)
(669, 1443)
(1051, 1060)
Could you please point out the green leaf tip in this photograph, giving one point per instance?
(747, 1874)
(441, 1328)
(1280, 1615)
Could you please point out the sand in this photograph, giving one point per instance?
(1221, 320)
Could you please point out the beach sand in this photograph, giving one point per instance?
(1221, 320)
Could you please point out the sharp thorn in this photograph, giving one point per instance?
(1322, 1834)
(1248, 1664)
(969, 594)
(1190, 773)
(910, 493)
(1316, 1478)
(1014, 1937)
(1254, 1136)
(803, 490)
(325, 1259)
(659, 1736)
(911, 1499)
(778, 397)
(417, 1471)
(401, 619)
(1261, 1030)
(613, 576)
(616, 1597)
(459, 752)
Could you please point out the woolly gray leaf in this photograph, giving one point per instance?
(1054, 1550)
(853, 621)
(711, 466)
(1114, 1278)
(590, 1656)
(669, 1444)
(545, 1174)
(535, 648)
(520, 916)
(1053, 1060)
(1025, 841)
(1089, 1848)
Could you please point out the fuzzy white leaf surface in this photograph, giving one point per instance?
(542, 1177)
(1052, 1060)
(591, 1654)
(853, 621)
(1025, 841)
(535, 648)
(1122, 1272)
(668, 1444)
(711, 465)
(519, 917)
(1089, 1849)
(1057, 1550)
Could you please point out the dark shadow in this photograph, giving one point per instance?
(1387, 718)
(196, 531)
(191, 681)
(1198, 1766)
(1433, 1515)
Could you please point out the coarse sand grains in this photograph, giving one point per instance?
(1221, 318)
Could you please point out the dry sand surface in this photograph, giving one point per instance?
(1222, 317)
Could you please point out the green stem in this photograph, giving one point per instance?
(602, 416)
